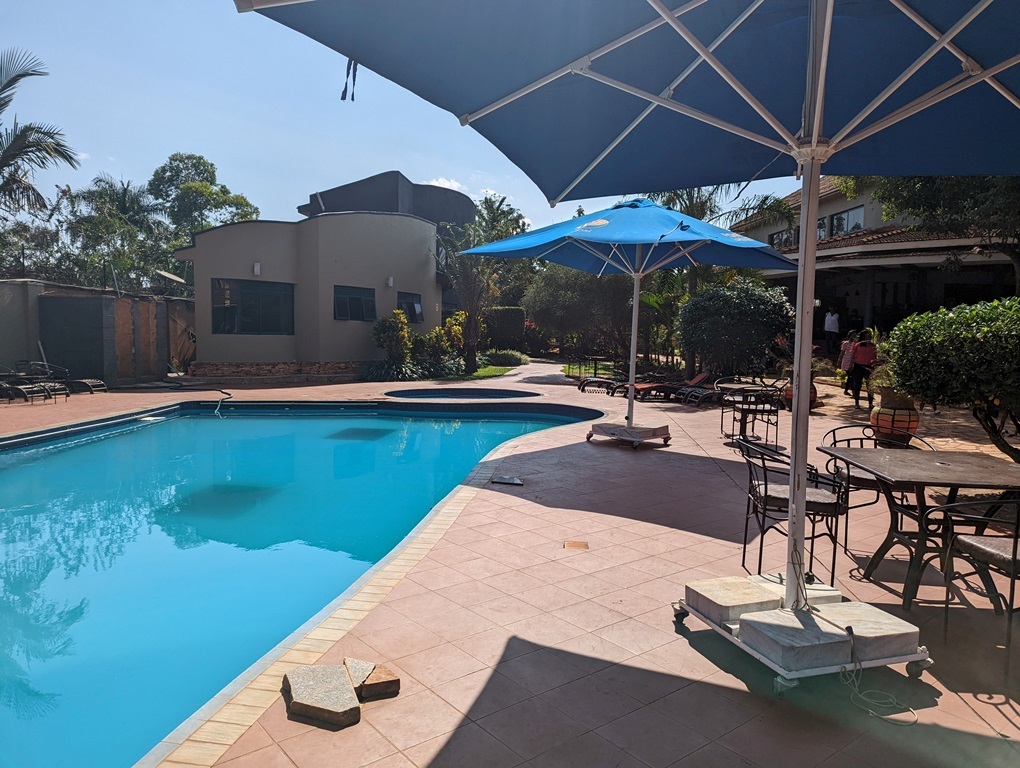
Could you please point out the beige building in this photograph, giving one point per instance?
(310, 291)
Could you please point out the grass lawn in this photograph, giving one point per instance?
(488, 372)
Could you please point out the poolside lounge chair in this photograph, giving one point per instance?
(23, 391)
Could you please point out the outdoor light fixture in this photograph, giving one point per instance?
(818, 302)
(256, 268)
(389, 282)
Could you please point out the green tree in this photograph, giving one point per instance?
(28, 147)
(966, 206)
(969, 354)
(187, 187)
(734, 328)
(476, 279)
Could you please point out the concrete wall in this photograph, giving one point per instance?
(79, 333)
(314, 255)
(19, 310)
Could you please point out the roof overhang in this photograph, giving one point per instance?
(895, 260)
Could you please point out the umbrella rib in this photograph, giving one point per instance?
(930, 99)
(966, 60)
(724, 73)
(823, 66)
(572, 66)
(683, 109)
(909, 72)
(623, 266)
(665, 93)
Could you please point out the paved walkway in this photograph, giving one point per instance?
(516, 651)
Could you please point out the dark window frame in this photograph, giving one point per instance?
(843, 217)
(252, 307)
(353, 303)
(411, 305)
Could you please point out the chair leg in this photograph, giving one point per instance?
(834, 535)
(948, 576)
(989, 584)
(747, 523)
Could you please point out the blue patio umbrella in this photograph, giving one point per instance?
(636, 237)
(609, 97)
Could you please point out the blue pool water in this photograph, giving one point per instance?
(143, 569)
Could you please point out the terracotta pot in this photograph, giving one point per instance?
(895, 411)
(788, 396)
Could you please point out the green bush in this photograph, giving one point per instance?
(733, 329)
(394, 336)
(388, 370)
(506, 357)
(966, 355)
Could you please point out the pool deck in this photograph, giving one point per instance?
(516, 651)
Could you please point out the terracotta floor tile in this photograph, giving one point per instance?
(379, 618)
(278, 725)
(531, 727)
(495, 645)
(540, 670)
(441, 664)
(544, 629)
(591, 653)
(254, 738)
(587, 751)
(409, 721)
(350, 747)
(505, 610)
(641, 679)
(591, 702)
(588, 586)
(589, 615)
(703, 708)
(629, 602)
(426, 603)
(453, 625)
(437, 578)
(513, 582)
(267, 757)
(402, 640)
(469, 745)
(481, 693)
(481, 568)
(549, 597)
(652, 737)
(635, 635)
(716, 756)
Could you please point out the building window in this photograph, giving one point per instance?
(788, 238)
(350, 303)
(823, 231)
(847, 221)
(410, 303)
(252, 307)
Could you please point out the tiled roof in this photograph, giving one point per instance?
(825, 188)
(880, 236)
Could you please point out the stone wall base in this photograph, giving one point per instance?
(338, 372)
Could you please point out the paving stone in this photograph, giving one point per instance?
(877, 634)
(381, 684)
(725, 599)
(795, 640)
(323, 693)
(359, 672)
(818, 593)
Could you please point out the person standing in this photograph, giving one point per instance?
(831, 328)
(864, 355)
(845, 360)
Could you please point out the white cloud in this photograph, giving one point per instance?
(448, 184)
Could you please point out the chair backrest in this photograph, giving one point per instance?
(866, 436)
(701, 378)
(996, 517)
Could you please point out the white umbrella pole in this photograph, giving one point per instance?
(633, 346)
(802, 379)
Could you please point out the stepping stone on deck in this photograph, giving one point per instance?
(381, 684)
(359, 672)
(323, 693)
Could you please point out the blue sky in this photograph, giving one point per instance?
(132, 81)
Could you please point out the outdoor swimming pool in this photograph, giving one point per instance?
(144, 567)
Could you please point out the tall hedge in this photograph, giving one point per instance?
(970, 355)
(506, 327)
(733, 328)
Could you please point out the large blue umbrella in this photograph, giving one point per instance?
(608, 97)
(636, 237)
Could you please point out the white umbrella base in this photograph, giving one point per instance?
(635, 435)
(796, 644)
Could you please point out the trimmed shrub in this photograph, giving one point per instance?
(506, 357)
(970, 355)
(388, 370)
(733, 328)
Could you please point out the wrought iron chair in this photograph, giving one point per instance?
(866, 436)
(985, 534)
(753, 414)
(768, 500)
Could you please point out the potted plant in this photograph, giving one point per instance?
(894, 413)
(818, 366)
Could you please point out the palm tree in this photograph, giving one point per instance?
(25, 148)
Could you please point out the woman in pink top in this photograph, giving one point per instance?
(845, 359)
(864, 355)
